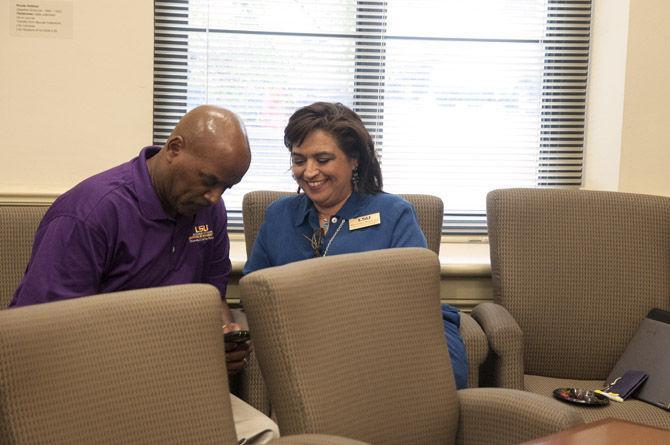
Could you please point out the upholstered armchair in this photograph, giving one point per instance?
(574, 273)
(429, 210)
(344, 353)
(143, 366)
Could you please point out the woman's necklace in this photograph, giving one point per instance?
(316, 240)
(325, 252)
(323, 223)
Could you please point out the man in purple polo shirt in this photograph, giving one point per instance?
(154, 221)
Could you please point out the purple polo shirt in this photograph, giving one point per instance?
(109, 233)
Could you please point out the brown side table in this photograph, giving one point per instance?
(607, 432)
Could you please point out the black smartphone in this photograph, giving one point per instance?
(236, 336)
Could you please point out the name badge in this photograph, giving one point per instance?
(365, 221)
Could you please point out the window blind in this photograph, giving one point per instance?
(460, 97)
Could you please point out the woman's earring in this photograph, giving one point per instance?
(355, 179)
(296, 180)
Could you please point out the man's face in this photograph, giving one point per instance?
(198, 181)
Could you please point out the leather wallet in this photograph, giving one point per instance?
(627, 384)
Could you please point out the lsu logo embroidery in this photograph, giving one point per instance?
(201, 233)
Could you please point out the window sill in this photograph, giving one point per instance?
(459, 256)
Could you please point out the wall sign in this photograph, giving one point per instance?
(48, 19)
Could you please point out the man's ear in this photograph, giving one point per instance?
(174, 147)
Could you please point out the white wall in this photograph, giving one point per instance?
(628, 131)
(607, 73)
(645, 147)
(73, 107)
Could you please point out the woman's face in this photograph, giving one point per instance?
(323, 170)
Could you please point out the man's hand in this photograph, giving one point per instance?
(236, 353)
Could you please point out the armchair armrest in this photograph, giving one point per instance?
(503, 416)
(315, 439)
(476, 345)
(506, 342)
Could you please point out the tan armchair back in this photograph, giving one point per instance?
(429, 211)
(303, 323)
(18, 224)
(143, 366)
